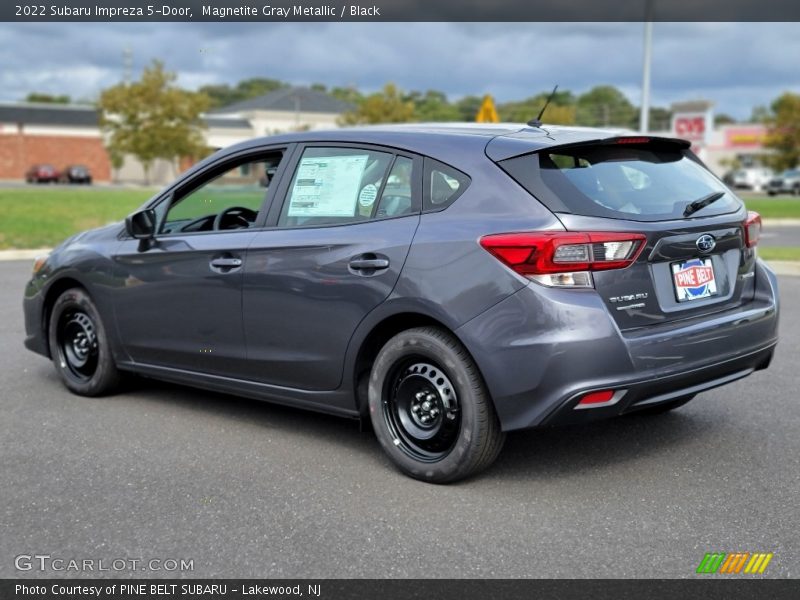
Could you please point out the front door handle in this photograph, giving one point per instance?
(225, 264)
(369, 264)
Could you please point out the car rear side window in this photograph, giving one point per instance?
(443, 185)
(639, 182)
(339, 186)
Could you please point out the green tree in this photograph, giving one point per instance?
(258, 86)
(219, 94)
(223, 94)
(386, 106)
(47, 98)
(603, 106)
(660, 119)
(347, 94)
(759, 114)
(783, 131)
(468, 107)
(433, 106)
(153, 119)
(723, 119)
(560, 111)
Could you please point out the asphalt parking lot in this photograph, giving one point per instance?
(781, 235)
(247, 489)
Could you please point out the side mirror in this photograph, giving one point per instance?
(141, 225)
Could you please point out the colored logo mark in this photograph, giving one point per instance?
(734, 562)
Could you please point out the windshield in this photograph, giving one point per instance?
(622, 181)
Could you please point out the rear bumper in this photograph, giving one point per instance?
(635, 395)
(541, 349)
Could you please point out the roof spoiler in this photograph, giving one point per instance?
(524, 142)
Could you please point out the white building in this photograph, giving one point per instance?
(287, 109)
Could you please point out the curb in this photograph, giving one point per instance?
(785, 267)
(23, 254)
(780, 223)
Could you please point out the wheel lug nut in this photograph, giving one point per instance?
(415, 408)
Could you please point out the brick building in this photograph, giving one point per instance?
(68, 134)
(50, 133)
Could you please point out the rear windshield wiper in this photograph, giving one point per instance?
(696, 205)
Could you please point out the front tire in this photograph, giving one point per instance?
(430, 409)
(79, 345)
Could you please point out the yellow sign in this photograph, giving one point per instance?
(487, 112)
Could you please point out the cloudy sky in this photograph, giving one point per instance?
(737, 65)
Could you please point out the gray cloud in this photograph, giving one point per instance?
(737, 65)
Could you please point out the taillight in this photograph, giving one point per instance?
(752, 229)
(564, 258)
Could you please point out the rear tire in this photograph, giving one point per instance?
(79, 345)
(660, 409)
(430, 409)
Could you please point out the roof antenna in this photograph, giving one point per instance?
(537, 122)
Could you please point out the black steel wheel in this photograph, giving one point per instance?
(420, 408)
(79, 346)
(430, 409)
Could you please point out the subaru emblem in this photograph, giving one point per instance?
(706, 243)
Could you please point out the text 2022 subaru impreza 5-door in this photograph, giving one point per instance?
(451, 282)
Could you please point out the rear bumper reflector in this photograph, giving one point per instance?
(600, 399)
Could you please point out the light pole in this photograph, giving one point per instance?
(644, 115)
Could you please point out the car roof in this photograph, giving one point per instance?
(449, 140)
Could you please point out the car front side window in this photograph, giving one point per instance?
(229, 199)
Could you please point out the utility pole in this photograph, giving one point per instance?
(127, 64)
(644, 114)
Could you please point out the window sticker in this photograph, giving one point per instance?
(367, 196)
(327, 186)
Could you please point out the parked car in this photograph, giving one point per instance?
(450, 283)
(752, 178)
(76, 174)
(42, 174)
(787, 182)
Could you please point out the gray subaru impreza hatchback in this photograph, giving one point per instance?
(448, 282)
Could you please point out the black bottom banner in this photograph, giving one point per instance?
(390, 589)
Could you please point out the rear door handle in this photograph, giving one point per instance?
(226, 264)
(364, 264)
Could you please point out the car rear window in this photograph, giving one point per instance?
(638, 182)
(443, 185)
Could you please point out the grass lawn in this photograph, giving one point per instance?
(779, 253)
(40, 217)
(775, 208)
